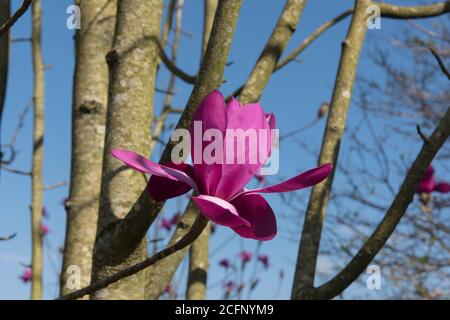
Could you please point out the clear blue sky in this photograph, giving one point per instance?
(293, 94)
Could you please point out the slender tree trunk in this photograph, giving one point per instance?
(337, 118)
(199, 253)
(132, 64)
(4, 56)
(38, 142)
(90, 98)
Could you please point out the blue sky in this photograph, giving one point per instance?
(293, 94)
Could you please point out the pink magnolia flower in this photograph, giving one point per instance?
(27, 275)
(166, 224)
(245, 256)
(44, 229)
(229, 286)
(428, 184)
(224, 263)
(264, 259)
(218, 187)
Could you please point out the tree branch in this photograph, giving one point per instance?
(10, 22)
(393, 216)
(413, 12)
(336, 122)
(440, 62)
(8, 237)
(193, 233)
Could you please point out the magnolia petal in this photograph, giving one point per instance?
(442, 187)
(210, 114)
(255, 209)
(219, 211)
(244, 125)
(270, 117)
(161, 188)
(140, 163)
(304, 180)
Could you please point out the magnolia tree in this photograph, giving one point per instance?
(218, 144)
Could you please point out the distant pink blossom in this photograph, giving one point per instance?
(218, 188)
(224, 263)
(44, 229)
(27, 275)
(428, 183)
(166, 224)
(229, 286)
(245, 256)
(264, 259)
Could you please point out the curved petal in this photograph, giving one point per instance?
(210, 114)
(442, 187)
(161, 188)
(303, 180)
(139, 163)
(255, 209)
(219, 211)
(270, 117)
(243, 139)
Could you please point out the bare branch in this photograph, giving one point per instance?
(440, 62)
(190, 237)
(10, 22)
(8, 237)
(393, 216)
(413, 12)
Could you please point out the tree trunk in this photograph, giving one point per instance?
(132, 64)
(38, 142)
(90, 98)
(334, 130)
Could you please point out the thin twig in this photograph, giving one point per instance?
(425, 138)
(8, 237)
(440, 62)
(55, 186)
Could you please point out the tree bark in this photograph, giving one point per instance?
(90, 98)
(132, 63)
(37, 159)
(317, 206)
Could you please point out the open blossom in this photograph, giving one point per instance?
(26, 275)
(428, 183)
(245, 256)
(264, 259)
(218, 187)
